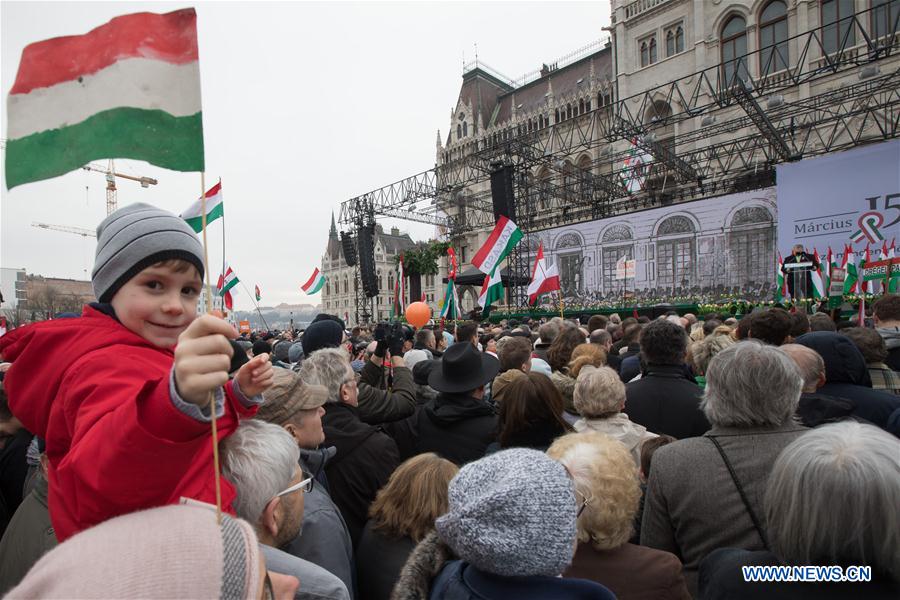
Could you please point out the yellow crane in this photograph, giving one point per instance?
(110, 172)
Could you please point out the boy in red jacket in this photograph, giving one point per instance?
(121, 394)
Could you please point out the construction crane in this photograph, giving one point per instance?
(67, 229)
(110, 172)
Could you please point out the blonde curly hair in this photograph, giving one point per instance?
(584, 355)
(605, 475)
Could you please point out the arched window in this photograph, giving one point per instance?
(544, 189)
(837, 26)
(458, 132)
(751, 245)
(675, 251)
(652, 50)
(465, 129)
(773, 34)
(645, 54)
(581, 106)
(679, 39)
(670, 43)
(734, 49)
(617, 242)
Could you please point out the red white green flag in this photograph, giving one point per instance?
(258, 294)
(502, 240)
(215, 208)
(314, 283)
(127, 89)
(227, 280)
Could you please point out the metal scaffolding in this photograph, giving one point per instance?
(760, 125)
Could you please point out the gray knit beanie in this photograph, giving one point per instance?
(512, 513)
(135, 237)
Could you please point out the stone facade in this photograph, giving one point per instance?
(339, 293)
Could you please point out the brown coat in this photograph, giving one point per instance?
(631, 572)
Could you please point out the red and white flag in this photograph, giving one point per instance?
(543, 279)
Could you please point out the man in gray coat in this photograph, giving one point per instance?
(297, 407)
(706, 492)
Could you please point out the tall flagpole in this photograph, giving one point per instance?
(223, 227)
(210, 395)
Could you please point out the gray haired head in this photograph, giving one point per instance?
(751, 384)
(260, 459)
(832, 496)
(329, 367)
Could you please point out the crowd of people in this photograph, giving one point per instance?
(599, 457)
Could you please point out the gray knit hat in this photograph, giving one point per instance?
(135, 237)
(512, 513)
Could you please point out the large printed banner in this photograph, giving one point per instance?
(713, 248)
(848, 198)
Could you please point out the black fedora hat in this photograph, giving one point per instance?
(462, 369)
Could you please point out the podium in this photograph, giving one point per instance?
(798, 278)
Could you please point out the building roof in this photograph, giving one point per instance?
(393, 242)
(492, 97)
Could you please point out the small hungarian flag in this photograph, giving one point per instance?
(818, 282)
(258, 295)
(851, 283)
(491, 291)
(227, 281)
(314, 283)
(193, 214)
(543, 279)
(781, 288)
(450, 304)
(502, 240)
(127, 89)
(451, 274)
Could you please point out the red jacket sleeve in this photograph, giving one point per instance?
(124, 446)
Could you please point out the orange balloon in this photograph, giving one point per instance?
(417, 314)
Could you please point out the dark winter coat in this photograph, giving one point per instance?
(664, 401)
(379, 405)
(455, 426)
(379, 560)
(846, 376)
(28, 537)
(365, 459)
(660, 572)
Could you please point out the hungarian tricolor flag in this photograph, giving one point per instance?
(818, 283)
(314, 283)
(502, 240)
(451, 273)
(450, 304)
(193, 214)
(491, 291)
(258, 294)
(781, 287)
(127, 89)
(851, 283)
(227, 281)
(543, 279)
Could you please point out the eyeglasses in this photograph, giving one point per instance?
(584, 503)
(306, 485)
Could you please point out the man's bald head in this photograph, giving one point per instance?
(811, 366)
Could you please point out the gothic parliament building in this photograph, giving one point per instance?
(649, 71)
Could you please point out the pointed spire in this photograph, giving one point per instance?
(439, 145)
(333, 232)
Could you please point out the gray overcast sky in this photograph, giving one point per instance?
(304, 106)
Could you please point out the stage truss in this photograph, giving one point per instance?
(762, 122)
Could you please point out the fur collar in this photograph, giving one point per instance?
(422, 566)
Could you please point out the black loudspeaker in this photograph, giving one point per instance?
(349, 249)
(366, 238)
(502, 193)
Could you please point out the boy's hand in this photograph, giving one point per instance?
(202, 358)
(255, 377)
